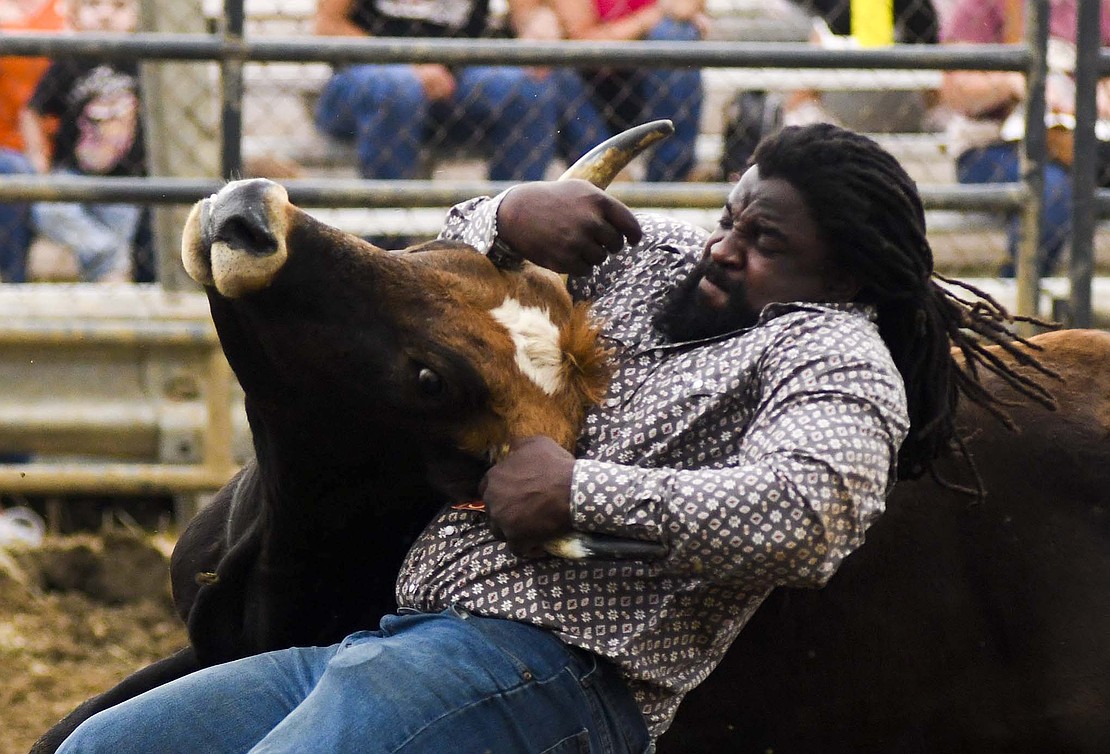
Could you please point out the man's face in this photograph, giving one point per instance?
(119, 16)
(765, 249)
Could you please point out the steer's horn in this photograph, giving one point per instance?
(601, 164)
(580, 546)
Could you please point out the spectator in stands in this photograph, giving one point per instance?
(580, 125)
(18, 77)
(392, 111)
(100, 133)
(986, 133)
(752, 115)
(626, 97)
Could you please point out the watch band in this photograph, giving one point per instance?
(502, 255)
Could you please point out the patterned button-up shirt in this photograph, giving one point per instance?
(758, 458)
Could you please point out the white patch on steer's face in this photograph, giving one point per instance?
(537, 343)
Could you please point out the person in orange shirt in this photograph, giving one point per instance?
(18, 78)
(96, 103)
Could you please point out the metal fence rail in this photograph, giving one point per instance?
(101, 380)
(231, 49)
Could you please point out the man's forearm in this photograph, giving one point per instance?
(747, 524)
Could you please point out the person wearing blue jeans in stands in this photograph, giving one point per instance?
(674, 93)
(97, 104)
(628, 97)
(1001, 163)
(988, 107)
(386, 111)
(392, 111)
(15, 223)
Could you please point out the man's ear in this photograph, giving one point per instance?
(842, 286)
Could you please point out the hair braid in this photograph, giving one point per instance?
(870, 214)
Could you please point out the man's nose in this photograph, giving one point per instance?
(726, 254)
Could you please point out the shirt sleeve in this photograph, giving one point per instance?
(813, 470)
(473, 222)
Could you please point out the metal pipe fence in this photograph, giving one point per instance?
(226, 49)
(228, 46)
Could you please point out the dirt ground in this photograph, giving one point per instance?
(78, 614)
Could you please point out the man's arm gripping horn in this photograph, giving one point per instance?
(600, 166)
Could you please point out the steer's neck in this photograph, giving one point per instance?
(321, 483)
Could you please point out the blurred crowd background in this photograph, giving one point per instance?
(107, 117)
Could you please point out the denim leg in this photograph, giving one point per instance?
(445, 682)
(1000, 163)
(1057, 216)
(513, 112)
(581, 125)
(674, 93)
(15, 223)
(224, 709)
(100, 234)
(384, 110)
(450, 682)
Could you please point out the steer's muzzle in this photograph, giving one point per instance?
(234, 240)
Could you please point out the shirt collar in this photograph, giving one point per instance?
(773, 311)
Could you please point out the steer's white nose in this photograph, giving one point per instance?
(235, 240)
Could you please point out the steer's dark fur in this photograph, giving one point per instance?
(959, 627)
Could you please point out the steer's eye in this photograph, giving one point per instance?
(429, 381)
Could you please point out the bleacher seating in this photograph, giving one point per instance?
(962, 242)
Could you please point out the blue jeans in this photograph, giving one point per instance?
(15, 223)
(101, 235)
(1000, 163)
(506, 111)
(444, 682)
(630, 97)
(581, 125)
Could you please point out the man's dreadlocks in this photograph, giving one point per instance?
(869, 213)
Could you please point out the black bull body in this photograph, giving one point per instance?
(376, 383)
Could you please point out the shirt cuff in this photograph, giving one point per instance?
(624, 501)
(474, 222)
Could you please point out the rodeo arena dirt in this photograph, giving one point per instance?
(77, 614)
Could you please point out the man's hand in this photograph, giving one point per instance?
(527, 495)
(437, 80)
(565, 226)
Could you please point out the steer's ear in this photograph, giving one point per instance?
(587, 362)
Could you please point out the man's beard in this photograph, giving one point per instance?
(684, 316)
